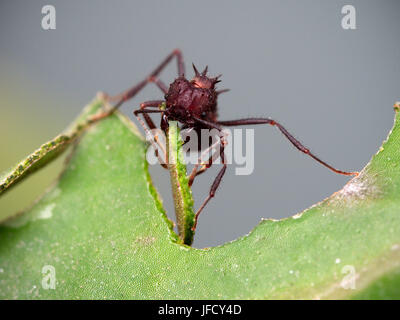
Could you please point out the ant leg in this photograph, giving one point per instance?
(152, 77)
(154, 140)
(209, 124)
(195, 172)
(152, 126)
(290, 137)
(213, 188)
(203, 169)
(149, 104)
(160, 84)
(204, 165)
(126, 95)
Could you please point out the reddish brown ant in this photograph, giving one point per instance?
(193, 103)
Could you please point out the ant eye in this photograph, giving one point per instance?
(203, 114)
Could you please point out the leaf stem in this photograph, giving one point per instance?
(181, 192)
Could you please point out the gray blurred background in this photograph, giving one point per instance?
(290, 60)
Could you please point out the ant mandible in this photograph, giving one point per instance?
(193, 103)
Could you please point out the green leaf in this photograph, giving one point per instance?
(103, 229)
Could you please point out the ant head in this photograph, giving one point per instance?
(201, 80)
